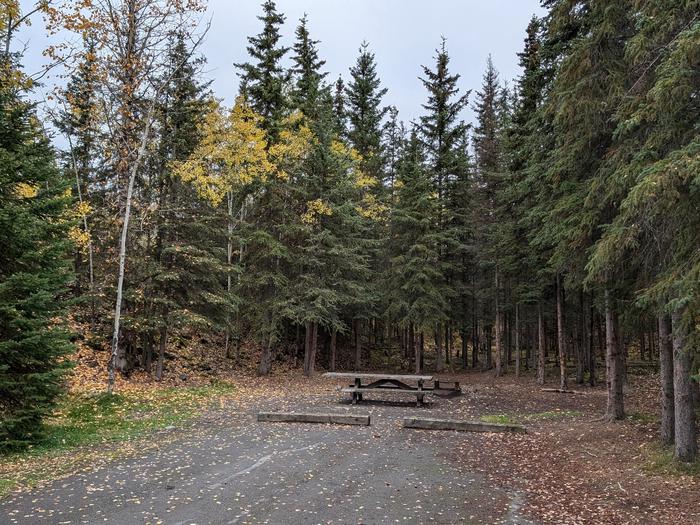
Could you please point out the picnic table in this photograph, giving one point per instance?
(393, 383)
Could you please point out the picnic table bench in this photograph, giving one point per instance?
(393, 383)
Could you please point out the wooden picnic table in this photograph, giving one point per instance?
(394, 383)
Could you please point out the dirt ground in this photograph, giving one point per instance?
(569, 468)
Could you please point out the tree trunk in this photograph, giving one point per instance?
(358, 345)
(314, 348)
(334, 348)
(465, 348)
(667, 431)
(112, 366)
(411, 345)
(448, 343)
(488, 335)
(266, 358)
(439, 359)
(421, 353)
(148, 354)
(161, 352)
(540, 345)
(581, 360)
(229, 260)
(91, 272)
(613, 363)
(686, 437)
(497, 333)
(475, 341)
(517, 340)
(590, 351)
(561, 335)
(308, 336)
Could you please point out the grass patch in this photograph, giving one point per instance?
(641, 417)
(515, 419)
(87, 419)
(660, 460)
(501, 419)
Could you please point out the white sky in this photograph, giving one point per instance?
(402, 33)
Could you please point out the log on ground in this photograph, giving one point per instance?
(463, 426)
(295, 417)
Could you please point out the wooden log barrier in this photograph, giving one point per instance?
(463, 426)
(333, 419)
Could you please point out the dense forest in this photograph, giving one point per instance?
(558, 234)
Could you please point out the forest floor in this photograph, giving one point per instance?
(206, 460)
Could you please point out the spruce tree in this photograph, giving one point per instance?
(339, 110)
(590, 81)
(185, 271)
(442, 132)
(330, 257)
(307, 69)
(652, 238)
(393, 138)
(365, 115)
(264, 79)
(488, 152)
(271, 216)
(417, 295)
(365, 112)
(34, 227)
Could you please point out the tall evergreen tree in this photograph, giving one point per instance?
(416, 286)
(34, 228)
(590, 81)
(488, 152)
(264, 79)
(185, 270)
(365, 112)
(646, 182)
(365, 115)
(443, 133)
(339, 109)
(307, 69)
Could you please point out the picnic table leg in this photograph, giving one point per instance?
(419, 397)
(358, 384)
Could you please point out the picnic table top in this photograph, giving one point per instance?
(397, 377)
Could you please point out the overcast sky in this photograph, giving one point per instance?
(402, 33)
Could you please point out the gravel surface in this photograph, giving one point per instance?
(229, 469)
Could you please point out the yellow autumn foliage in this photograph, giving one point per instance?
(371, 208)
(295, 142)
(80, 238)
(232, 153)
(314, 210)
(24, 190)
(82, 209)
